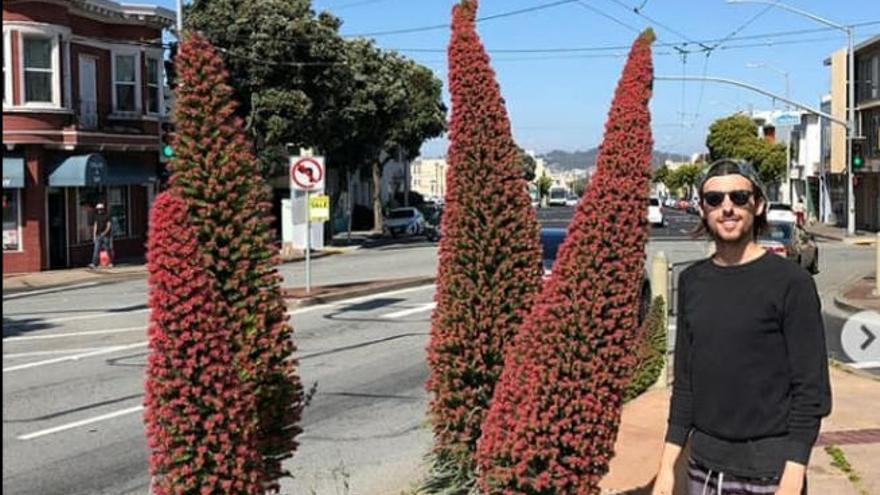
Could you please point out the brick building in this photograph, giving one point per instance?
(83, 102)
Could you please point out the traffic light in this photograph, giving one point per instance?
(858, 159)
(166, 148)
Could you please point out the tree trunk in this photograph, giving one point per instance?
(378, 217)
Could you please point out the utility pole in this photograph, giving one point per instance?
(179, 19)
(787, 191)
(851, 104)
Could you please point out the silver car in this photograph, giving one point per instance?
(793, 242)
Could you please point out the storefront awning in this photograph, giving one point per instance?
(80, 171)
(13, 172)
(93, 170)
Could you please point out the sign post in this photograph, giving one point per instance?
(307, 174)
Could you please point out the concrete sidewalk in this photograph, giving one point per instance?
(853, 427)
(835, 233)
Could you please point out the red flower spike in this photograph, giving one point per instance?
(554, 416)
(489, 266)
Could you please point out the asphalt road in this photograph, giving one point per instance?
(73, 364)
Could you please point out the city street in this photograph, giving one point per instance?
(73, 364)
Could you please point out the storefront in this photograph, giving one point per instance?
(48, 215)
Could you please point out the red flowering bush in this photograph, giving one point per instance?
(489, 267)
(215, 174)
(199, 415)
(556, 409)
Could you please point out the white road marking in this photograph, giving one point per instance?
(75, 357)
(865, 364)
(89, 316)
(356, 300)
(54, 289)
(73, 334)
(77, 424)
(411, 311)
(53, 353)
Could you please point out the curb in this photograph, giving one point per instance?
(358, 292)
(106, 277)
(848, 305)
(98, 276)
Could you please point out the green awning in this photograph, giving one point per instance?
(93, 170)
(80, 171)
(13, 172)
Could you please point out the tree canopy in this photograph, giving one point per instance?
(737, 137)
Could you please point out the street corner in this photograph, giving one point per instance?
(859, 339)
(859, 295)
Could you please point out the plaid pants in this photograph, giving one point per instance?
(703, 481)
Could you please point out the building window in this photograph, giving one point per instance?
(11, 220)
(117, 206)
(125, 83)
(153, 82)
(38, 69)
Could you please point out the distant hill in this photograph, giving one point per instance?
(568, 160)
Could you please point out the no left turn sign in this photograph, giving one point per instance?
(307, 174)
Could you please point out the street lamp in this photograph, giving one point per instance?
(850, 196)
(784, 73)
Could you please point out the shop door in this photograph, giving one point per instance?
(56, 214)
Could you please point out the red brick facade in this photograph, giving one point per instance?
(44, 135)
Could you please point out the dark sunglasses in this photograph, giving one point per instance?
(739, 197)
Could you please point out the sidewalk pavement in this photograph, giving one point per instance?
(853, 426)
(835, 233)
(859, 295)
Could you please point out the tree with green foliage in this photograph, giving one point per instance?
(287, 67)
(528, 164)
(686, 176)
(544, 185)
(660, 175)
(737, 137)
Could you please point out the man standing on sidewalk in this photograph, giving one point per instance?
(102, 230)
(751, 371)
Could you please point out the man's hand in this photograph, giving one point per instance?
(664, 483)
(792, 481)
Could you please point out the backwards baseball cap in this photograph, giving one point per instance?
(728, 166)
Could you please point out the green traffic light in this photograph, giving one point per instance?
(857, 162)
(167, 151)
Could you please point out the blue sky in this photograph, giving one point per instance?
(559, 100)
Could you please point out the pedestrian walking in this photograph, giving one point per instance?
(102, 233)
(800, 212)
(751, 371)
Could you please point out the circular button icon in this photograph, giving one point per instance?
(860, 337)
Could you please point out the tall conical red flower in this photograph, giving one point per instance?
(489, 268)
(554, 417)
(217, 176)
(199, 415)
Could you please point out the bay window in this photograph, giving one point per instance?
(153, 82)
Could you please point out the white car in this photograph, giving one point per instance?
(404, 221)
(572, 200)
(780, 212)
(557, 196)
(655, 214)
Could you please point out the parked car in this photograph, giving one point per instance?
(693, 206)
(552, 239)
(404, 221)
(670, 202)
(780, 212)
(789, 240)
(655, 214)
(571, 200)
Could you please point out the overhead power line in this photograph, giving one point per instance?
(606, 15)
(492, 17)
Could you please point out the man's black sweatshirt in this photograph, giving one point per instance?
(751, 371)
